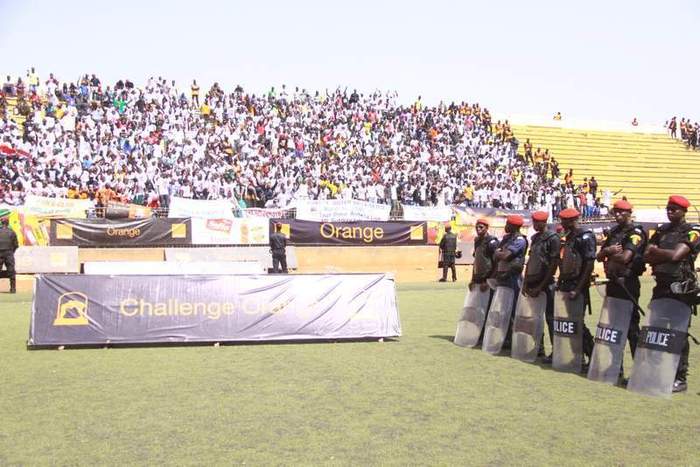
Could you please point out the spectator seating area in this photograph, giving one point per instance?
(645, 167)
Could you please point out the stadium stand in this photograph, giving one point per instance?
(642, 167)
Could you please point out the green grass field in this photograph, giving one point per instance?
(418, 400)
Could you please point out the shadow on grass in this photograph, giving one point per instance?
(449, 339)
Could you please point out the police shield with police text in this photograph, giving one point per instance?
(510, 259)
(622, 256)
(479, 294)
(661, 359)
(572, 339)
(536, 302)
(8, 246)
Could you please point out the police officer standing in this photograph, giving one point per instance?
(622, 256)
(540, 268)
(278, 245)
(8, 246)
(671, 253)
(448, 248)
(510, 260)
(485, 246)
(577, 259)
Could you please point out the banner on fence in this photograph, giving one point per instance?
(427, 213)
(360, 233)
(83, 310)
(56, 207)
(200, 208)
(341, 210)
(104, 232)
(269, 213)
(246, 231)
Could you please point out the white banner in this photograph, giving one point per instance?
(426, 213)
(269, 213)
(249, 231)
(201, 208)
(56, 207)
(341, 210)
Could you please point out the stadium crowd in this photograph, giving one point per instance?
(146, 144)
(689, 132)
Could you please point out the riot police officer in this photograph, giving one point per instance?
(8, 246)
(577, 259)
(485, 245)
(540, 268)
(510, 260)
(622, 256)
(671, 253)
(448, 248)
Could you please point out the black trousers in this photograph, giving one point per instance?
(449, 263)
(548, 317)
(7, 258)
(279, 259)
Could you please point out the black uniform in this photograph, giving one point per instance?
(484, 248)
(624, 278)
(448, 247)
(578, 249)
(8, 246)
(544, 251)
(278, 245)
(668, 237)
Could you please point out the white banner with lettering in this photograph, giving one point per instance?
(56, 207)
(427, 213)
(248, 231)
(341, 210)
(201, 208)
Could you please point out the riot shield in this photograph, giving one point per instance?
(528, 327)
(610, 339)
(471, 320)
(498, 320)
(661, 341)
(567, 352)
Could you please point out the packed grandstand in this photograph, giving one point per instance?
(146, 145)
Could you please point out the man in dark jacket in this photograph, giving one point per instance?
(278, 245)
(8, 246)
(448, 248)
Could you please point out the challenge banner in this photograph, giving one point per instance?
(360, 233)
(84, 310)
(104, 232)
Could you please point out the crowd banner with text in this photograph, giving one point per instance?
(104, 232)
(360, 233)
(427, 213)
(57, 207)
(98, 310)
(200, 208)
(341, 210)
(268, 213)
(246, 231)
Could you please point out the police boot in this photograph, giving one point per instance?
(13, 285)
(680, 385)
